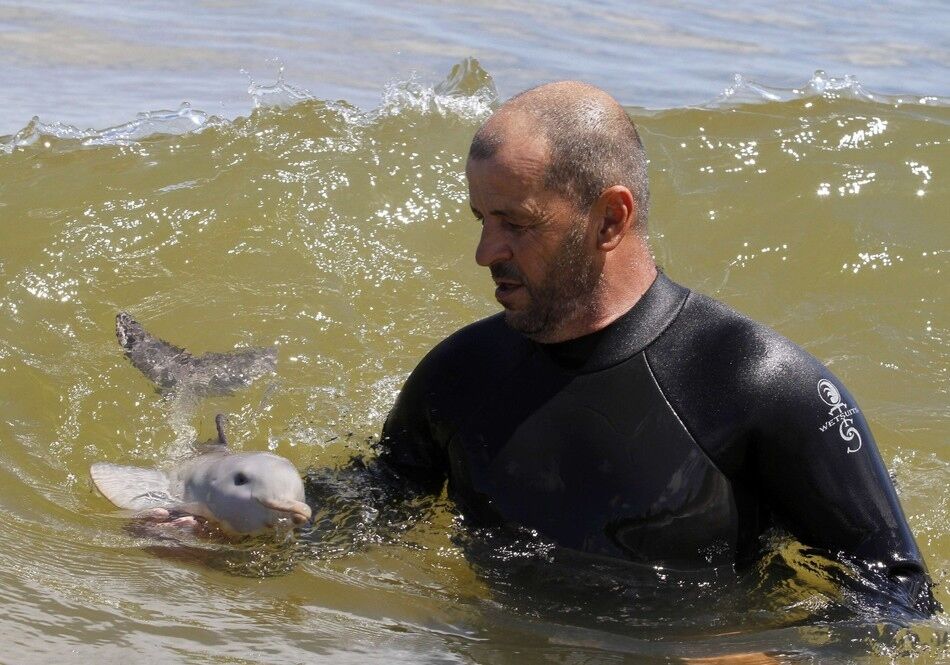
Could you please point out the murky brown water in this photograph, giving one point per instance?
(343, 238)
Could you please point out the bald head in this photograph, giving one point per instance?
(590, 142)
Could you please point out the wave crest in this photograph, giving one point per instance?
(149, 123)
(747, 91)
(280, 94)
(468, 93)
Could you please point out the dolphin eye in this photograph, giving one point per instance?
(241, 479)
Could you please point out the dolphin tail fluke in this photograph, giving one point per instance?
(171, 367)
(132, 487)
(155, 358)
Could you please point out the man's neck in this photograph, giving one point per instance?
(625, 336)
(614, 297)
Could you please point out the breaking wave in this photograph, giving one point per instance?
(468, 92)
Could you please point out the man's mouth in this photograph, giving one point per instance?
(508, 282)
(504, 290)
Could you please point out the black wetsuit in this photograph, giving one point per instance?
(673, 437)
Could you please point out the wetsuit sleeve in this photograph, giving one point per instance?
(409, 446)
(444, 390)
(380, 496)
(791, 439)
(817, 463)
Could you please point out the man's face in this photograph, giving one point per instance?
(534, 241)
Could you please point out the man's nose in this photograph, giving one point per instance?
(492, 246)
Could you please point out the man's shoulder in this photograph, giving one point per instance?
(478, 348)
(708, 333)
(733, 380)
(722, 369)
(476, 337)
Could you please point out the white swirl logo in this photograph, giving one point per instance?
(829, 393)
(840, 414)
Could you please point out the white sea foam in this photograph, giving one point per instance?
(747, 91)
(468, 92)
(150, 123)
(279, 94)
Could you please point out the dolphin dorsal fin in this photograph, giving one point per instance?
(219, 445)
(219, 421)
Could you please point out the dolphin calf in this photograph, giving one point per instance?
(171, 367)
(241, 493)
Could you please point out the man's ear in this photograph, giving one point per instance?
(616, 216)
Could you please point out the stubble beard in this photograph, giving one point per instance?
(566, 293)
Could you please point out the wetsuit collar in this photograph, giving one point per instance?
(626, 336)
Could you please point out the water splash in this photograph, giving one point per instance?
(820, 85)
(149, 123)
(280, 94)
(468, 92)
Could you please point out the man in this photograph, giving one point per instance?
(612, 410)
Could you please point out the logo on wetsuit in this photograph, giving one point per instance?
(840, 414)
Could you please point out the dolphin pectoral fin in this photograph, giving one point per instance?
(132, 487)
(298, 511)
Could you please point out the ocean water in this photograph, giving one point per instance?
(325, 212)
(98, 64)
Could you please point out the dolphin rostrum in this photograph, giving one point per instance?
(242, 493)
(171, 367)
